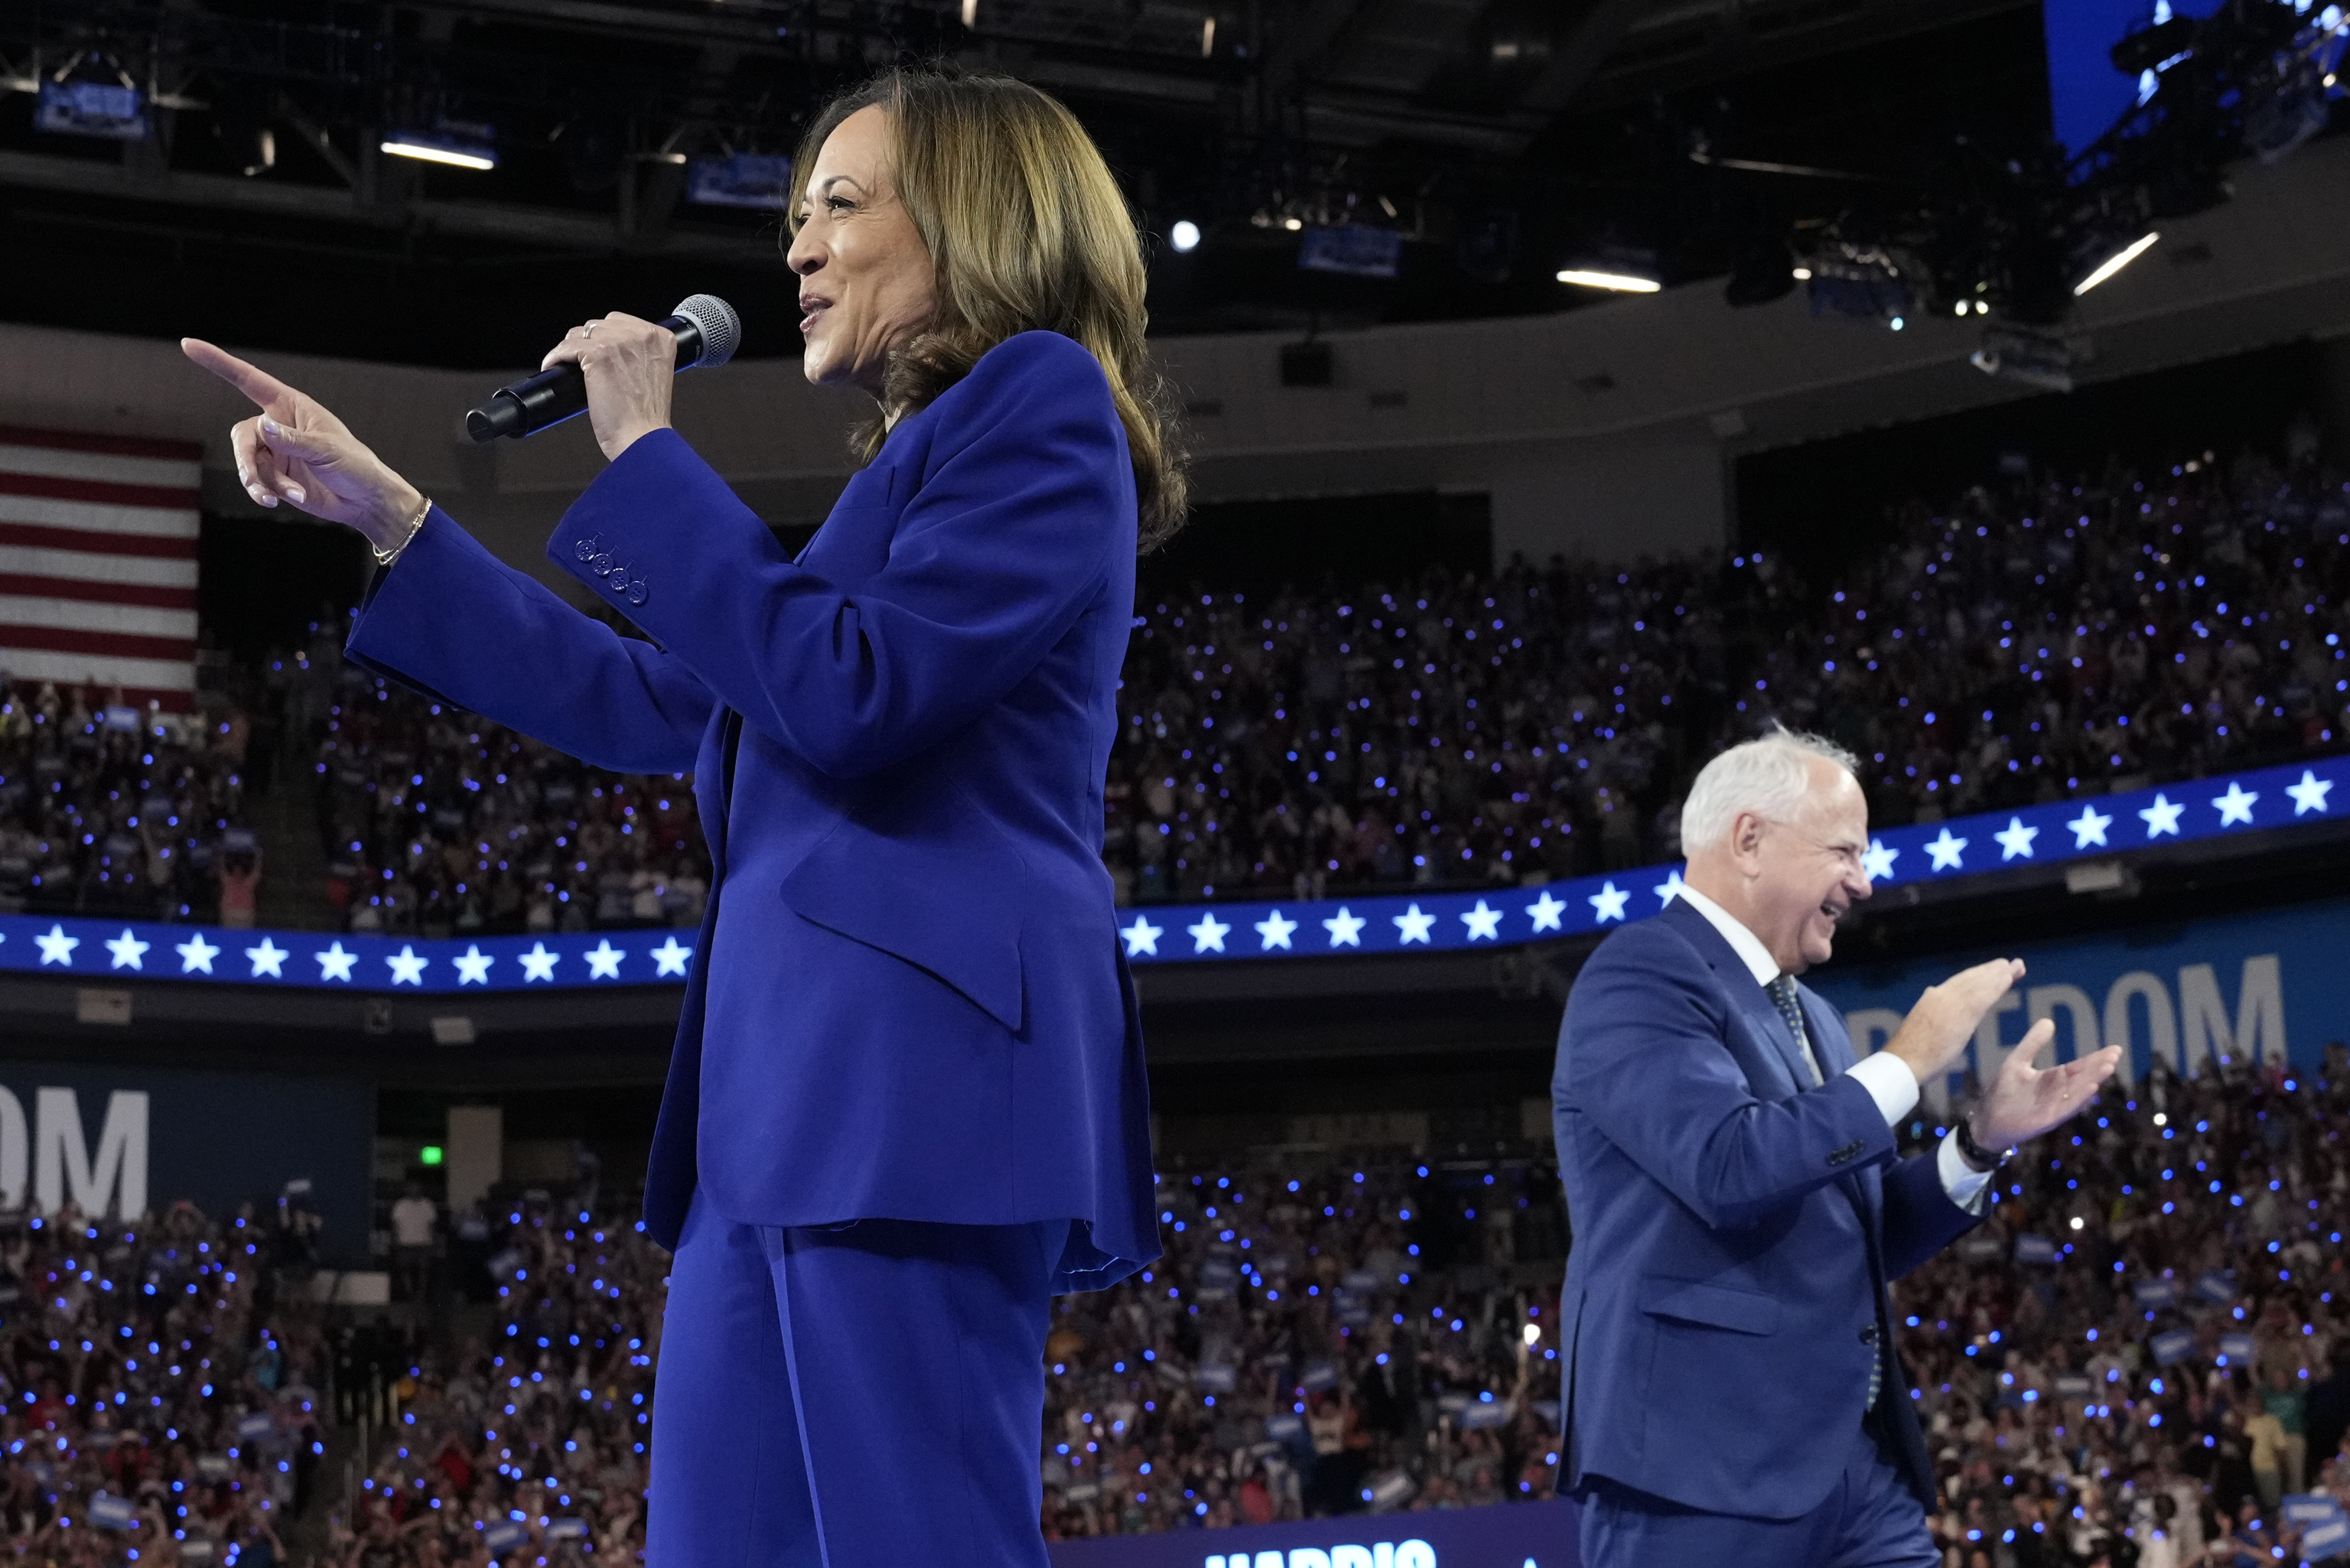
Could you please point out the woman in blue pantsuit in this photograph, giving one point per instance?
(906, 1101)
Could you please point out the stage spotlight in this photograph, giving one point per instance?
(1185, 236)
(458, 146)
(2114, 261)
(116, 112)
(1623, 282)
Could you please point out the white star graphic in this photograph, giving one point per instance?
(2015, 839)
(538, 963)
(1346, 930)
(407, 968)
(1208, 934)
(57, 947)
(1607, 904)
(1276, 931)
(1876, 861)
(268, 959)
(1413, 925)
(2309, 794)
(1141, 937)
(335, 964)
(604, 960)
(196, 953)
(2162, 817)
(1546, 911)
(670, 958)
(472, 965)
(1670, 888)
(2089, 827)
(2236, 805)
(127, 951)
(1484, 924)
(1946, 851)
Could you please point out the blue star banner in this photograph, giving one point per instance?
(120, 951)
(2082, 829)
(2100, 827)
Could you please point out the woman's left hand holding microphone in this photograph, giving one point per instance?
(631, 366)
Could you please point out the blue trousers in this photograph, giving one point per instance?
(851, 1397)
(1870, 1518)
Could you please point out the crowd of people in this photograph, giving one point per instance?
(2029, 641)
(1319, 1340)
(531, 1448)
(159, 1397)
(111, 809)
(2144, 1354)
(2141, 1357)
(438, 822)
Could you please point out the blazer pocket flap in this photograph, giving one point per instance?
(950, 908)
(1716, 1306)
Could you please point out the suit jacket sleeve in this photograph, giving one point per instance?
(993, 558)
(1648, 1065)
(453, 621)
(1918, 1216)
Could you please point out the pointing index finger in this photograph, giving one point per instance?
(265, 389)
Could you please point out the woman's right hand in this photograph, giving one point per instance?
(295, 450)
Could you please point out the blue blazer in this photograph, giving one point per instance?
(907, 1000)
(1735, 1229)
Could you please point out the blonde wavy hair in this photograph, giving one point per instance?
(1026, 230)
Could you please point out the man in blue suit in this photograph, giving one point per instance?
(1731, 1391)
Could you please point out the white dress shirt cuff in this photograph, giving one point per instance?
(1889, 1082)
(1963, 1182)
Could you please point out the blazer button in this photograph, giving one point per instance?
(602, 565)
(585, 548)
(636, 595)
(1868, 1334)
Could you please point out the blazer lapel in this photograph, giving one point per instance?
(1744, 993)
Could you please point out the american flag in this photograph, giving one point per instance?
(98, 564)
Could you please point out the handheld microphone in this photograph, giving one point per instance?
(707, 331)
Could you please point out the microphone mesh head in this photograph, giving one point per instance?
(721, 329)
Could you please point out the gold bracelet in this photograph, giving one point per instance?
(386, 557)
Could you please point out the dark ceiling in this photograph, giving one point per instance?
(1503, 138)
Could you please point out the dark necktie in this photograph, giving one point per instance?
(1783, 995)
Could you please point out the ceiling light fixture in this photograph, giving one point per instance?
(1622, 282)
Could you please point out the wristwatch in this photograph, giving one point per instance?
(1974, 1153)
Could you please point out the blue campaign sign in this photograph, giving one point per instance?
(2262, 988)
(1348, 927)
(1508, 1535)
(2326, 1540)
(121, 1139)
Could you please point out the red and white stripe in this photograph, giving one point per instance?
(98, 564)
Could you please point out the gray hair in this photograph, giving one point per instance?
(1767, 775)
